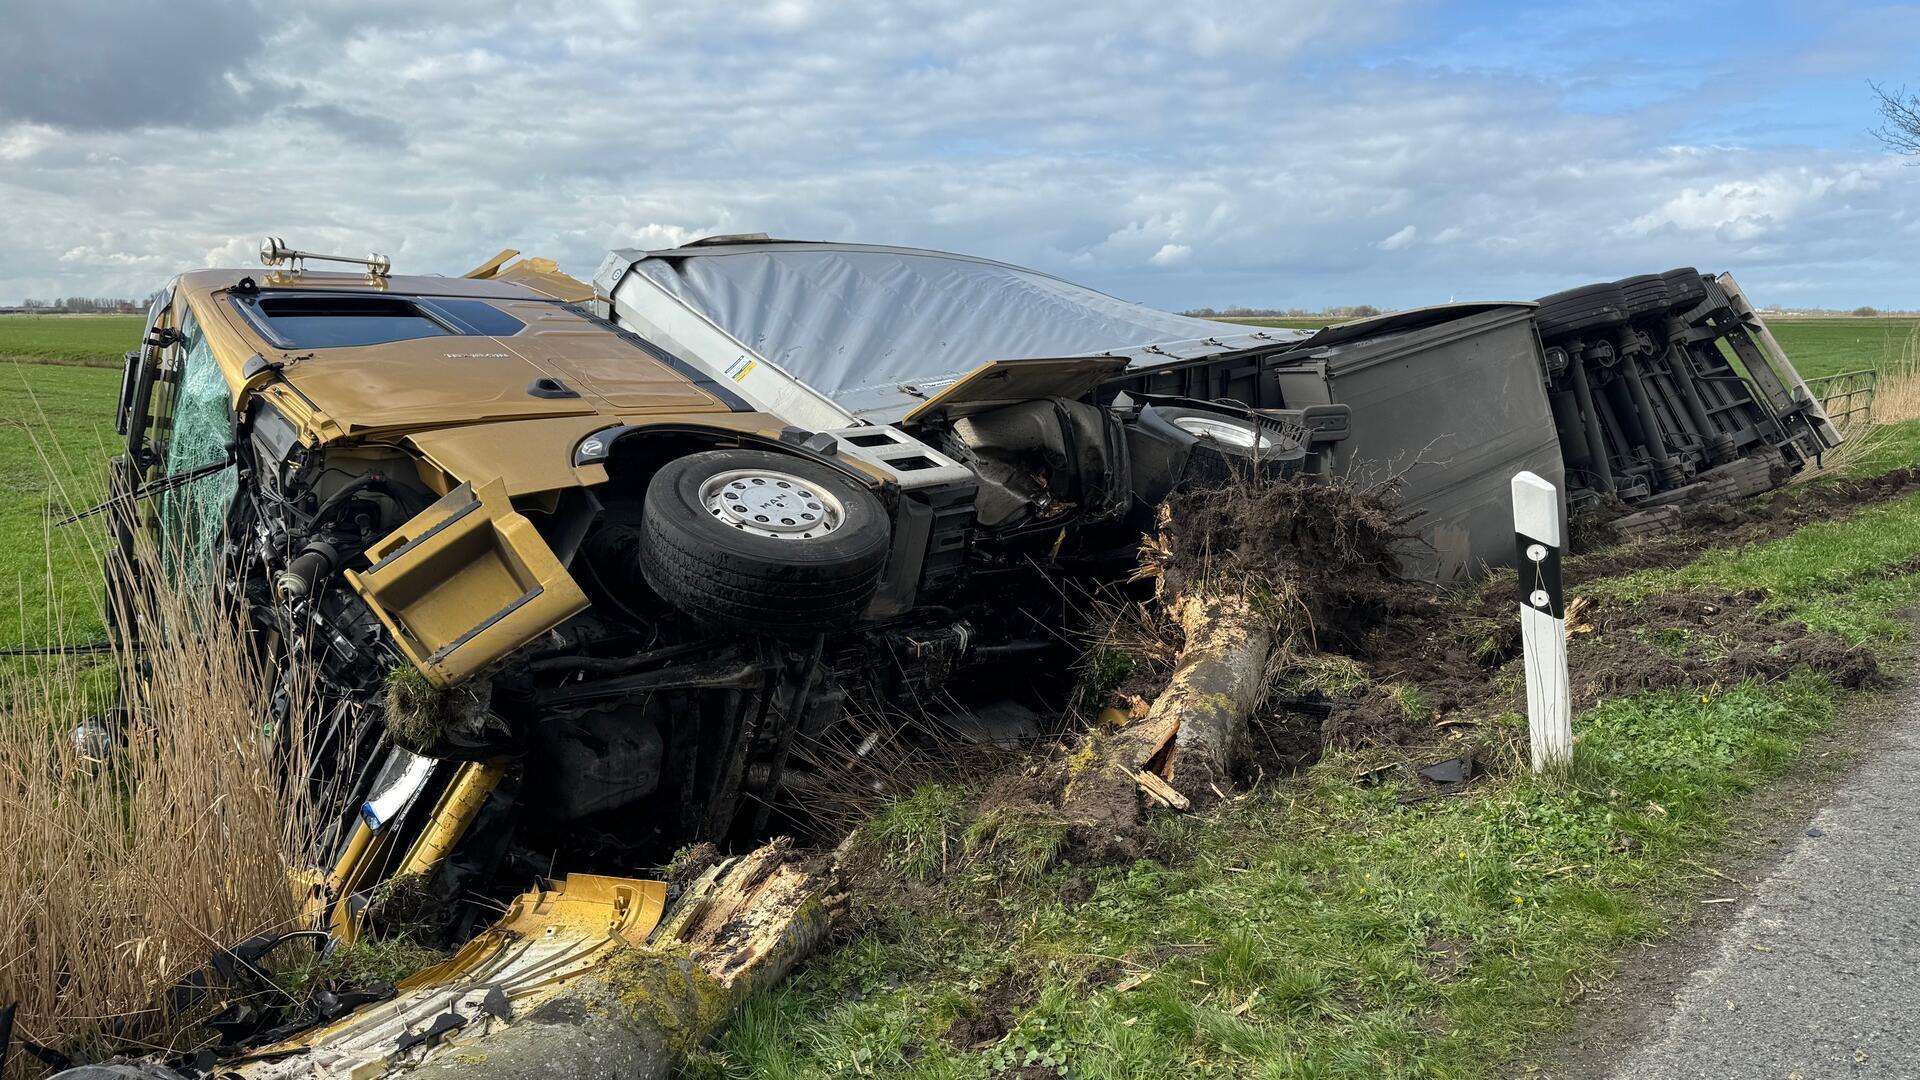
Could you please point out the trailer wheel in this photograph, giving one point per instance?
(769, 543)
(1685, 288)
(1591, 307)
(1645, 294)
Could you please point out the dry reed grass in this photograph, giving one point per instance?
(126, 866)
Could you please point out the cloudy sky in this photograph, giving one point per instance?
(1286, 153)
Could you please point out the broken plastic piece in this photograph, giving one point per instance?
(1456, 770)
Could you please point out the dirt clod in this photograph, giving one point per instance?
(1460, 662)
(1074, 891)
(992, 1015)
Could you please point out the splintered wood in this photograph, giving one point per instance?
(747, 921)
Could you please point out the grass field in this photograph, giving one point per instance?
(55, 437)
(1828, 346)
(1310, 322)
(58, 378)
(87, 340)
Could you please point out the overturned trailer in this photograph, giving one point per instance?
(1669, 387)
(1619, 393)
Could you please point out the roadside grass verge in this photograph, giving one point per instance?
(1319, 926)
(1850, 577)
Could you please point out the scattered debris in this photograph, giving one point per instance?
(1451, 771)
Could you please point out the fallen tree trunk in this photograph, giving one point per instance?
(1221, 679)
(1194, 731)
(1197, 727)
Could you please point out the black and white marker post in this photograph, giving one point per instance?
(1543, 621)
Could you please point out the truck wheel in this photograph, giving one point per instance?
(1226, 447)
(1645, 294)
(1685, 288)
(764, 542)
(1591, 307)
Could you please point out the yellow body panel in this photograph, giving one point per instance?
(465, 582)
(543, 275)
(548, 938)
(401, 387)
(455, 811)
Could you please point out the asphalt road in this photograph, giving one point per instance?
(1819, 974)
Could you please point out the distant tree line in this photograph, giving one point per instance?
(83, 305)
(1356, 311)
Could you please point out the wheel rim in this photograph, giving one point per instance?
(773, 504)
(1224, 432)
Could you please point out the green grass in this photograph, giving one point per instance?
(1851, 577)
(87, 340)
(55, 437)
(355, 965)
(1887, 447)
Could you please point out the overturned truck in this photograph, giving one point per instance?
(589, 572)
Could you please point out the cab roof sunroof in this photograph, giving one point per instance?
(335, 320)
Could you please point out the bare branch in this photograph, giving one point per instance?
(1900, 113)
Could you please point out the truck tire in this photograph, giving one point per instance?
(1226, 446)
(1644, 295)
(1685, 288)
(1591, 307)
(769, 543)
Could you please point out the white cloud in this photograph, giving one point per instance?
(1112, 144)
(1752, 208)
(1399, 239)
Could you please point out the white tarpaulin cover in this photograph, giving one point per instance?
(880, 329)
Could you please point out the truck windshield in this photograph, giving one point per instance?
(192, 517)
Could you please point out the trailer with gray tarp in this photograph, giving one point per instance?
(1630, 398)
